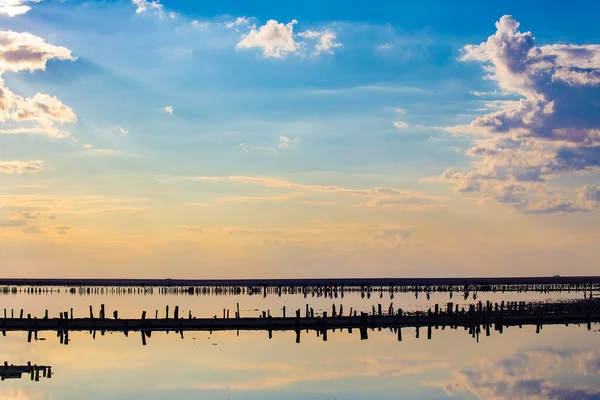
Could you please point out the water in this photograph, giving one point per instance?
(560, 362)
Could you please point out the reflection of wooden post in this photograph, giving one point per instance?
(399, 334)
(143, 338)
(363, 326)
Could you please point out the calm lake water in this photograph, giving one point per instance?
(558, 363)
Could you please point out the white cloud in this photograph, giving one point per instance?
(278, 40)
(274, 38)
(401, 124)
(248, 148)
(15, 7)
(325, 40)
(400, 111)
(23, 51)
(168, 109)
(237, 22)
(288, 143)
(18, 167)
(385, 47)
(553, 129)
(41, 112)
(124, 131)
(144, 6)
(87, 146)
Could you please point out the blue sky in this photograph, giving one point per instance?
(377, 122)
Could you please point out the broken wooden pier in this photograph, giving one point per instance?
(476, 318)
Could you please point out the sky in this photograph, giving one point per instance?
(231, 139)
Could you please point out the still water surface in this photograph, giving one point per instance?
(558, 363)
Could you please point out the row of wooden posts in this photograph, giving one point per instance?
(313, 291)
(17, 371)
(475, 318)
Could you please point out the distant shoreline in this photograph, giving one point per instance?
(396, 282)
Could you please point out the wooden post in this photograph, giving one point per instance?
(363, 326)
(176, 316)
(238, 310)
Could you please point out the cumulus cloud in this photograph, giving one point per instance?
(18, 167)
(325, 40)
(144, 5)
(553, 129)
(287, 142)
(13, 8)
(278, 40)
(168, 109)
(41, 112)
(23, 51)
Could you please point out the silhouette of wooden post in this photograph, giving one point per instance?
(101, 311)
(363, 326)
(176, 315)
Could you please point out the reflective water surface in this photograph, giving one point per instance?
(561, 362)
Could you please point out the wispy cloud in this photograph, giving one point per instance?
(375, 197)
(367, 88)
(18, 167)
(247, 148)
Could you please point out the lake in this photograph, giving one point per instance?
(559, 362)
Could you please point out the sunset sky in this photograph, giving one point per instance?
(269, 139)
